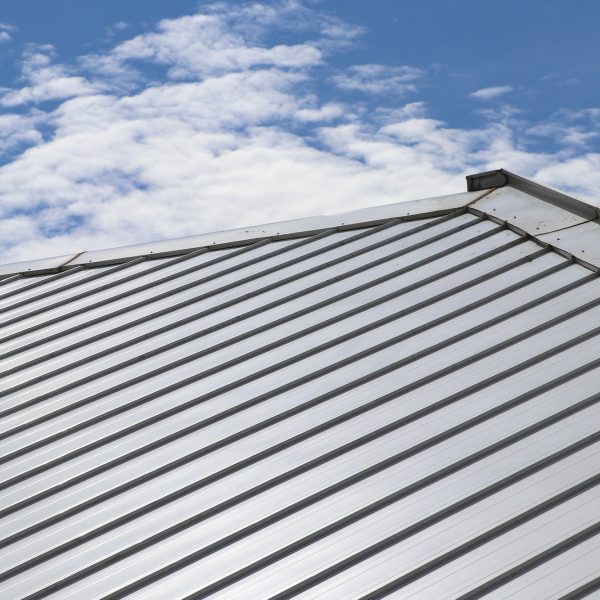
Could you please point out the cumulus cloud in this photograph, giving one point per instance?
(45, 80)
(235, 132)
(489, 93)
(379, 79)
(575, 128)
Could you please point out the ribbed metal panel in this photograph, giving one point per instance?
(407, 410)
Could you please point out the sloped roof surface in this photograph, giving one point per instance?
(404, 404)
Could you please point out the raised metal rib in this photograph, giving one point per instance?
(223, 457)
(415, 528)
(335, 488)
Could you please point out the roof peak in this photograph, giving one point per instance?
(501, 177)
(531, 207)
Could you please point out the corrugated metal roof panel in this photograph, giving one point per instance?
(409, 409)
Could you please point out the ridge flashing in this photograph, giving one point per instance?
(364, 217)
(525, 205)
(501, 177)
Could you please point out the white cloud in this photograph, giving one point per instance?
(575, 128)
(379, 79)
(489, 93)
(233, 135)
(204, 45)
(45, 80)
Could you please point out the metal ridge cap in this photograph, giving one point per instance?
(502, 177)
(412, 209)
(38, 266)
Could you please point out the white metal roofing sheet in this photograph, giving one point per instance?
(409, 409)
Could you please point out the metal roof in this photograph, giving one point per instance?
(396, 402)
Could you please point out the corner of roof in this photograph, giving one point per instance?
(501, 178)
(569, 225)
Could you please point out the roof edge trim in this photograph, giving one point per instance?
(501, 177)
(365, 217)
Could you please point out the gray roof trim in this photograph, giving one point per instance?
(569, 225)
(502, 177)
(481, 189)
(366, 217)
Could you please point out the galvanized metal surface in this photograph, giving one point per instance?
(502, 177)
(526, 212)
(582, 241)
(408, 410)
(533, 208)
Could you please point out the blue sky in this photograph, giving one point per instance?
(123, 122)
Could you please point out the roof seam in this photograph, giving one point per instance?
(568, 227)
(61, 267)
(349, 335)
(369, 406)
(287, 318)
(291, 385)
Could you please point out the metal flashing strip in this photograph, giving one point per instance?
(232, 285)
(36, 267)
(570, 225)
(367, 217)
(478, 186)
(502, 177)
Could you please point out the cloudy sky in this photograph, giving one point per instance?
(138, 120)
